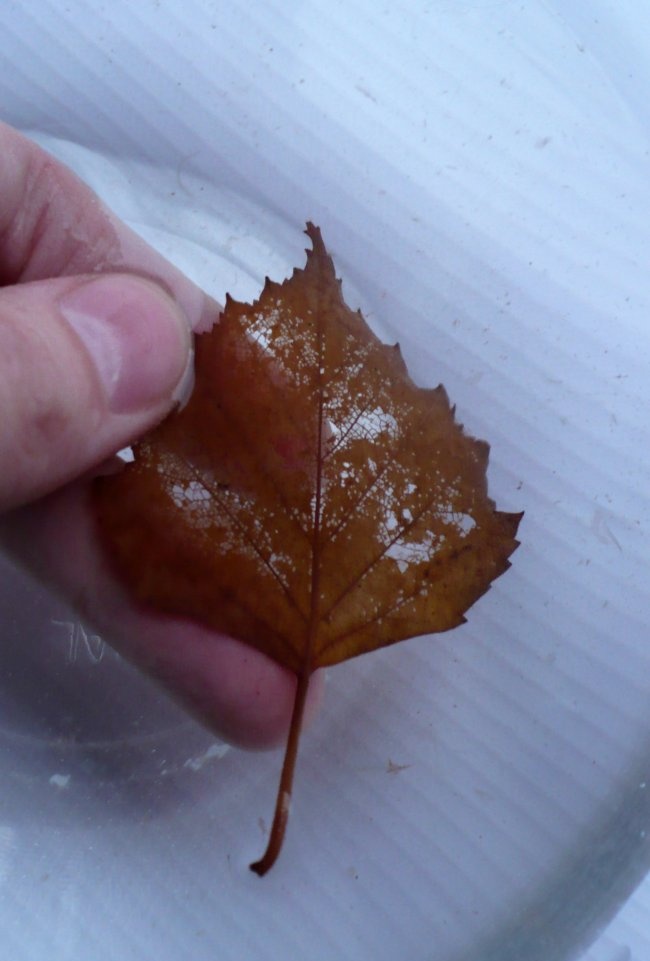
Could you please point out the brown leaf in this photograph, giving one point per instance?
(310, 499)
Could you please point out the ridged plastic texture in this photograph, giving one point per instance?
(480, 173)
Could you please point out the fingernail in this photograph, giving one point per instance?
(136, 337)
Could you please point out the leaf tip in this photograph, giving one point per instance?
(314, 234)
(318, 258)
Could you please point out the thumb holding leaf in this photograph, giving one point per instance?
(86, 364)
(92, 355)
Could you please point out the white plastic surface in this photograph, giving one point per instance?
(480, 173)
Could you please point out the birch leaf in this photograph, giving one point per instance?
(310, 499)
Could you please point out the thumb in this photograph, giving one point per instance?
(86, 365)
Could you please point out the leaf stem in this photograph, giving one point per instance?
(283, 802)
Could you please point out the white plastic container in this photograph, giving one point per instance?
(479, 172)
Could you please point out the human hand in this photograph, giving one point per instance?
(95, 348)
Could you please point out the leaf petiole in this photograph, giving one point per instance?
(283, 801)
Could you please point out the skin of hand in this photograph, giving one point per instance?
(95, 349)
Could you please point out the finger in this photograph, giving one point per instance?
(52, 225)
(240, 693)
(86, 364)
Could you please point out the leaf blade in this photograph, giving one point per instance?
(310, 499)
